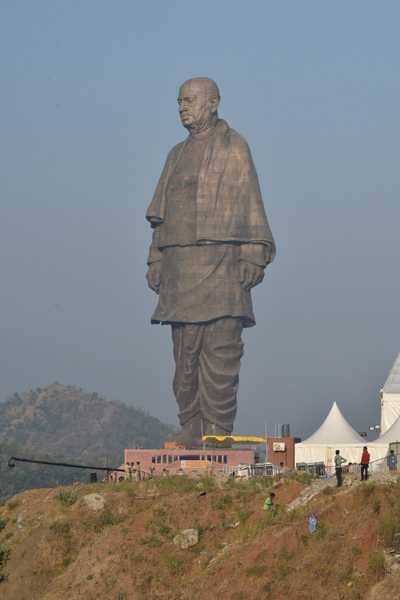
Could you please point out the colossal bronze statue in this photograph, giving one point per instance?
(211, 243)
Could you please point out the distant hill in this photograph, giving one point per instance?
(67, 423)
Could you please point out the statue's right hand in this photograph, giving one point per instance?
(153, 276)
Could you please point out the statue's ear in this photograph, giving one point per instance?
(214, 102)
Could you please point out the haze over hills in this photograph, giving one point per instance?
(66, 422)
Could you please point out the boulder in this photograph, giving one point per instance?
(94, 501)
(186, 538)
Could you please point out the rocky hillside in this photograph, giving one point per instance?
(65, 422)
(129, 541)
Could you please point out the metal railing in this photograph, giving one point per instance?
(377, 466)
(13, 459)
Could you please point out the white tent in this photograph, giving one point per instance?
(391, 435)
(380, 447)
(390, 398)
(335, 433)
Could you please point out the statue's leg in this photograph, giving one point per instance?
(219, 365)
(187, 339)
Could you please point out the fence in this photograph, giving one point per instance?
(384, 465)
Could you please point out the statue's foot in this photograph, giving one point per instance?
(214, 429)
(190, 434)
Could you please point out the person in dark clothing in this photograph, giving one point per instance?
(392, 461)
(365, 458)
(339, 460)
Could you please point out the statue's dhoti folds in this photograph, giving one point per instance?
(207, 358)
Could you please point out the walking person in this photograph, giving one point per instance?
(339, 460)
(392, 461)
(365, 458)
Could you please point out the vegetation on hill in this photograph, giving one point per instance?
(65, 423)
(27, 476)
(125, 549)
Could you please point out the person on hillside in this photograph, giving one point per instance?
(312, 523)
(339, 460)
(138, 471)
(392, 461)
(365, 458)
(269, 503)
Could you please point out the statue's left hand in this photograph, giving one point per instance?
(250, 275)
(153, 276)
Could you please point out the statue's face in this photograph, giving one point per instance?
(196, 106)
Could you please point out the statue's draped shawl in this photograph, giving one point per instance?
(229, 206)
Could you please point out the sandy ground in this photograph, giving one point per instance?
(61, 549)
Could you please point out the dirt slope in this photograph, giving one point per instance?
(54, 547)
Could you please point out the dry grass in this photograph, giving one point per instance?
(127, 548)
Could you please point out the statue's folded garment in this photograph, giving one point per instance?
(207, 214)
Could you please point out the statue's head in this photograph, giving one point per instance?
(198, 103)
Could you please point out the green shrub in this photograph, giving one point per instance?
(238, 596)
(376, 564)
(164, 530)
(284, 554)
(152, 541)
(3, 523)
(257, 570)
(356, 551)
(322, 531)
(107, 519)
(249, 532)
(160, 511)
(304, 539)
(244, 514)
(11, 504)
(260, 483)
(174, 564)
(61, 528)
(181, 484)
(223, 502)
(206, 484)
(302, 477)
(387, 528)
(67, 497)
(376, 505)
(5, 553)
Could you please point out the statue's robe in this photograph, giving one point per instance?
(208, 215)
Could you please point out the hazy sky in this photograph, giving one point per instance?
(88, 113)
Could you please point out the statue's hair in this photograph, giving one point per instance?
(212, 87)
